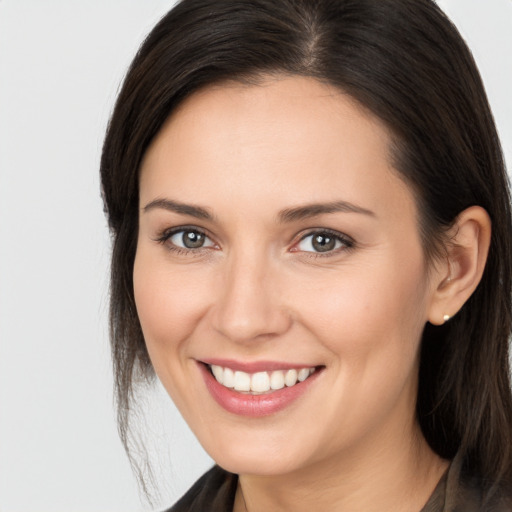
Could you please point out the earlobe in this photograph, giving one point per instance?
(466, 253)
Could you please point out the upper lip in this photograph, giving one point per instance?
(255, 366)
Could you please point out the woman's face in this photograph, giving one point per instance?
(275, 236)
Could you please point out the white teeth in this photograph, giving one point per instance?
(228, 379)
(242, 381)
(290, 379)
(259, 382)
(277, 380)
(218, 373)
(303, 374)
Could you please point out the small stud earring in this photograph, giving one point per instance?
(446, 318)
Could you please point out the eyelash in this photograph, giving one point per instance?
(167, 234)
(347, 242)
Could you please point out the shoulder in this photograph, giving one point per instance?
(214, 491)
(473, 495)
(460, 491)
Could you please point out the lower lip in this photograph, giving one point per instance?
(255, 406)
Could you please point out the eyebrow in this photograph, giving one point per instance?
(313, 210)
(285, 216)
(177, 207)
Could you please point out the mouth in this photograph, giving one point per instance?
(262, 382)
(257, 389)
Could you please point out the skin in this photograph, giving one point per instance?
(257, 291)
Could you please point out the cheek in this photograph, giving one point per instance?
(363, 310)
(371, 325)
(169, 302)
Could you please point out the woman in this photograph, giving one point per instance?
(312, 237)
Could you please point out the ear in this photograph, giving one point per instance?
(457, 277)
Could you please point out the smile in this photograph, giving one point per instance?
(257, 389)
(260, 382)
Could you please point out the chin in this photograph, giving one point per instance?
(257, 465)
(263, 455)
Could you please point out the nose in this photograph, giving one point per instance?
(250, 304)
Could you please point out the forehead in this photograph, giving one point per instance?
(290, 139)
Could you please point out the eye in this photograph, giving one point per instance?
(188, 239)
(323, 242)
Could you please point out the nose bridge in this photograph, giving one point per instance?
(249, 304)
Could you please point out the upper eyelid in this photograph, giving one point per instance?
(328, 231)
(348, 242)
(165, 235)
(168, 232)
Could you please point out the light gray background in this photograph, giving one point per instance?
(61, 63)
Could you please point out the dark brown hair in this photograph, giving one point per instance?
(404, 61)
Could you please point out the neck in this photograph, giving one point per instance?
(400, 477)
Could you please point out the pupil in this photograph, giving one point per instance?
(192, 239)
(323, 243)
